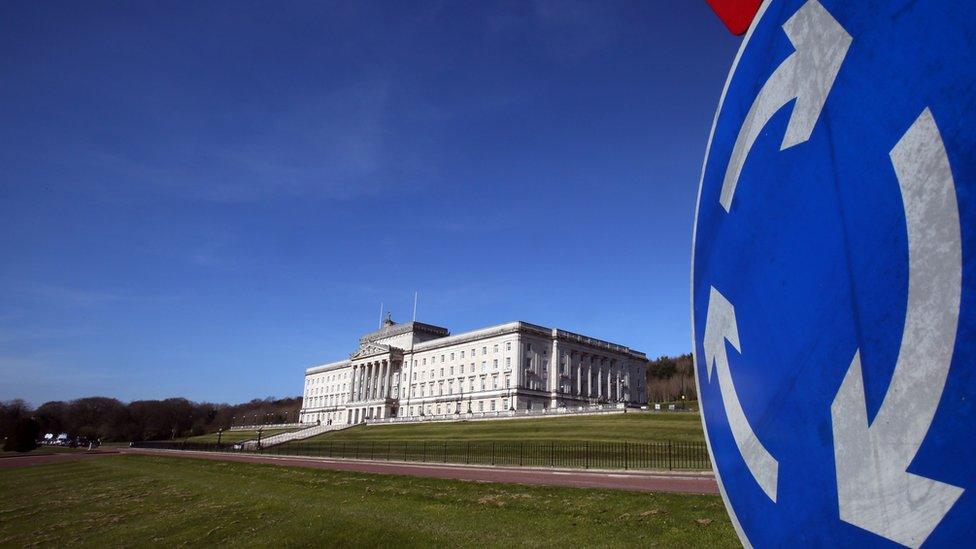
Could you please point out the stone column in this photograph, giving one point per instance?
(379, 379)
(594, 378)
(584, 383)
(364, 394)
(362, 381)
(616, 389)
(620, 384)
(599, 379)
(627, 377)
(604, 379)
(355, 382)
(579, 376)
(371, 386)
(584, 377)
(359, 382)
(352, 382)
(555, 373)
(377, 366)
(589, 378)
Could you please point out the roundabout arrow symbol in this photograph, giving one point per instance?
(720, 326)
(874, 489)
(807, 75)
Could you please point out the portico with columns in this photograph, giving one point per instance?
(375, 368)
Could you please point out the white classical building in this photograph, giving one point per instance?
(416, 370)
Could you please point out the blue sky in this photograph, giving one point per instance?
(203, 199)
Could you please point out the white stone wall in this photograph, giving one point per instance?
(473, 369)
(326, 387)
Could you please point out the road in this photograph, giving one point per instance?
(686, 483)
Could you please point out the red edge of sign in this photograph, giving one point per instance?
(736, 14)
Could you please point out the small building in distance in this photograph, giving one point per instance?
(416, 370)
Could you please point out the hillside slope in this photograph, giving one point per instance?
(631, 427)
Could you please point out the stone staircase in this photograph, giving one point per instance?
(300, 434)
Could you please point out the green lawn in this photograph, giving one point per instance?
(237, 436)
(138, 500)
(630, 427)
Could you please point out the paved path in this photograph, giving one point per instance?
(689, 483)
(8, 462)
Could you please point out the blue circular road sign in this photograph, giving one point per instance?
(834, 279)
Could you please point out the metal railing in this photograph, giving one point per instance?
(552, 454)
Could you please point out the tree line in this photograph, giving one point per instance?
(110, 420)
(671, 377)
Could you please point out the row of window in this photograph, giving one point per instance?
(427, 389)
(491, 405)
(474, 351)
(424, 374)
(330, 389)
(318, 380)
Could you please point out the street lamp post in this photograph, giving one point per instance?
(220, 431)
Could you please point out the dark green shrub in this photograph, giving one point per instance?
(23, 437)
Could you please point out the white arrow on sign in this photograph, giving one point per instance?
(720, 326)
(874, 489)
(807, 75)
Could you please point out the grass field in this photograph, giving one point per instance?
(138, 500)
(237, 436)
(631, 427)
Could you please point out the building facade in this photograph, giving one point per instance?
(416, 370)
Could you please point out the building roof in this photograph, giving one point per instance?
(391, 329)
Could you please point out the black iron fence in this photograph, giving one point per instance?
(555, 454)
